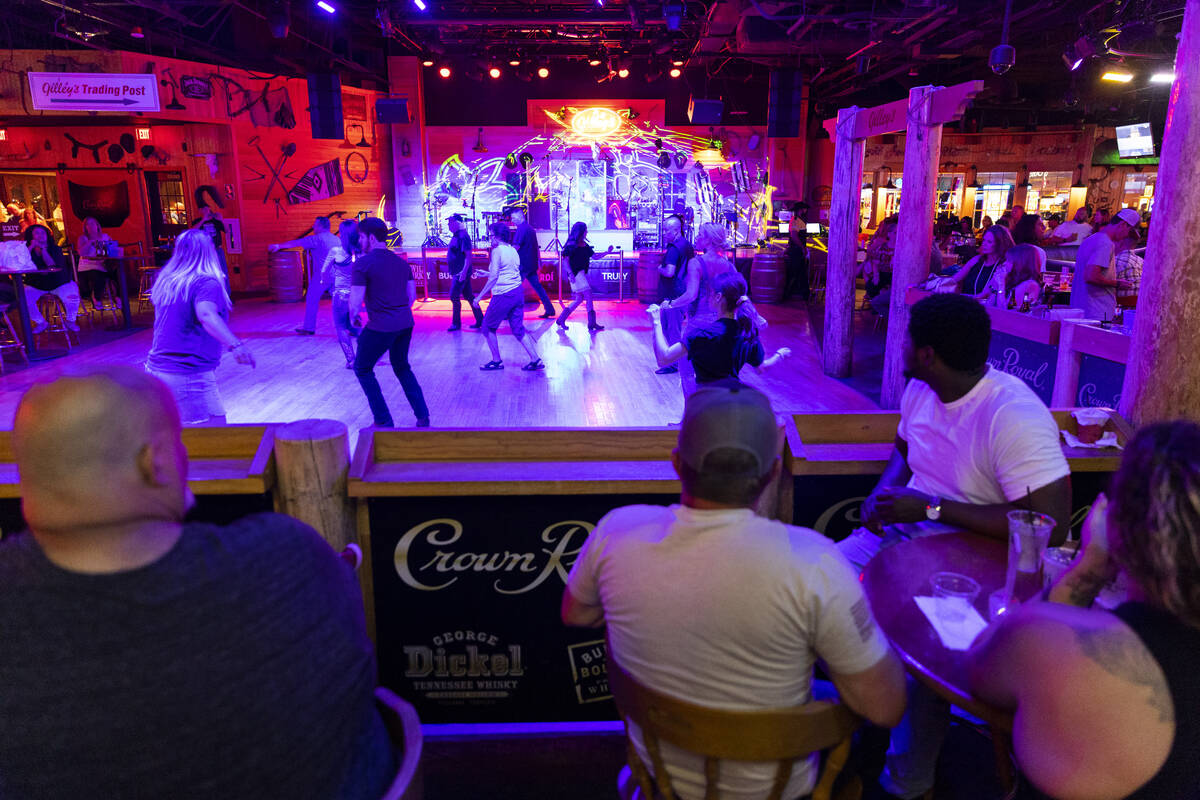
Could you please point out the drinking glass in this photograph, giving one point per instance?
(954, 595)
(1028, 534)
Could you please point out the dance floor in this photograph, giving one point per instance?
(604, 379)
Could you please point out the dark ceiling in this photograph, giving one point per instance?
(850, 51)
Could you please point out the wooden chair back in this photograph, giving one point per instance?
(782, 735)
(404, 729)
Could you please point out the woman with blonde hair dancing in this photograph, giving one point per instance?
(191, 313)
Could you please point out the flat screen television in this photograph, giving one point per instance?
(813, 228)
(1135, 141)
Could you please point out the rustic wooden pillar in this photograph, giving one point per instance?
(914, 239)
(1162, 379)
(312, 460)
(838, 343)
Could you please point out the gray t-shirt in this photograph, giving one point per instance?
(235, 666)
(180, 342)
(1097, 302)
(319, 245)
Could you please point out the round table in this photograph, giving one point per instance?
(901, 572)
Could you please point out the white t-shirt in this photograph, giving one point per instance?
(506, 264)
(992, 445)
(1064, 231)
(725, 609)
(1097, 302)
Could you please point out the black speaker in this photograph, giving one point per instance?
(392, 111)
(325, 105)
(785, 104)
(704, 112)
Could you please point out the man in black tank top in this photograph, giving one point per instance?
(1107, 703)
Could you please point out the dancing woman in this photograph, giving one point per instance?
(191, 309)
(579, 254)
(718, 348)
(339, 264)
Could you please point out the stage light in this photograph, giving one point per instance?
(543, 72)
(1163, 77)
(494, 72)
(1117, 77)
(673, 14)
(328, 9)
(623, 72)
(137, 32)
(444, 72)
(675, 72)
(597, 57)
(426, 61)
(420, 4)
(514, 62)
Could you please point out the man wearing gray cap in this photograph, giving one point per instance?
(706, 602)
(1094, 287)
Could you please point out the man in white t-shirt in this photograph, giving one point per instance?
(973, 444)
(706, 602)
(1073, 232)
(1094, 287)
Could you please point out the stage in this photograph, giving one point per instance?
(605, 379)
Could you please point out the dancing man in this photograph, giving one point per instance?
(318, 244)
(672, 281)
(458, 260)
(384, 281)
(508, 298)
(526, 243)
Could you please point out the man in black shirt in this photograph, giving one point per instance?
(146, 657)
(672, 280)
(526, 243)
(458, 261)
(384, 281)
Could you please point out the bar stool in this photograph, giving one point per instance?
(9, 339)
(146, 276)
(55, 314)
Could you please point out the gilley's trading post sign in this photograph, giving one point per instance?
(93, 91)
(467, 597)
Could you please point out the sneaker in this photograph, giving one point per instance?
(304, 332)
(666, 370)
(476, 326)
(453, 328)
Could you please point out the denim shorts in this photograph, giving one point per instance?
(195, 393)
(510, 306)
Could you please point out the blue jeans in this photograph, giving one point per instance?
(312, 300)
(341, 323)
(462, 288)
(195, 393)
(371, 347)
(540, 290)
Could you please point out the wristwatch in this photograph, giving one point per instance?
(933, 510)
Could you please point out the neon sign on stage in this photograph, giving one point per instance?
(596, 123)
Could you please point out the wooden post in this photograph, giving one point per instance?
(312, 460)
(910, 263)
(838, 344)
(1162, 379)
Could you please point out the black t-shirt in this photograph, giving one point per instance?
(235, 666)
(49, 281)
(679, 253)
(579, 256)
(458, 252)
(385, 276)
(526, 243)
(718, 349)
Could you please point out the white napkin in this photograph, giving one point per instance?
(1107, 439)
(957, 636)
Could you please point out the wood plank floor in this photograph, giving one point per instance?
(606, 379)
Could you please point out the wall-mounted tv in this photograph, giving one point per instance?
(1135, 141)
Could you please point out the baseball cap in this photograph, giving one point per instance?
(737, 418)
(1128, 215)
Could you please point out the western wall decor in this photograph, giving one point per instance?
(318, 183)
(108, 204)
(127, 143)
(356, 167)
(147, 151)
(115, 153)
(195, 87)
(77, 145)
(209, 191)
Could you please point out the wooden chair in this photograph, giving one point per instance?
(55, 314)
(782, 735)
(404, 729)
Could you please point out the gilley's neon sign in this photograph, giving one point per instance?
(596, 123)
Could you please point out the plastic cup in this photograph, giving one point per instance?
(954, 596)
(1090, 423)
(1028, 534)
(1056, 561)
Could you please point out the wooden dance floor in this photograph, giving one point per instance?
(606, 379)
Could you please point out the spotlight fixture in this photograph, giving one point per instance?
(444, 72)
(426, 61)
(420, 4)
(1079, 51)
(1163, 77)
(1116, 77)
(543, 72)
(494, 72)
(675, 72)
(673, 14)
(597, 57)
(137, 32)
(328, 9)
(279, 18)
(623, 72)
(514, 59)
(677, 62)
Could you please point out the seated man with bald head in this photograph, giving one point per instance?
(144, 657)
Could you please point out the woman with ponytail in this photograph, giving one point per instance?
(191, 329)
(718, 347)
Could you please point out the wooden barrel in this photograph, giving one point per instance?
(284, 276)
(647, 276)
(767, 275)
